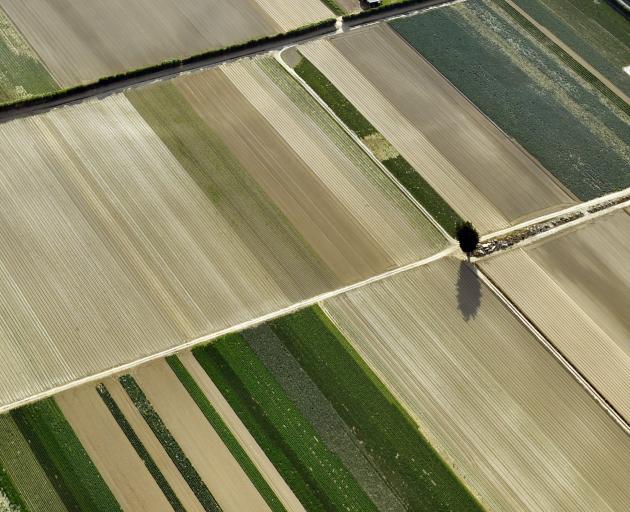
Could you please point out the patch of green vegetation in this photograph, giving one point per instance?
(316, 475)
(140, 449)
(225, 434)
(594, 30)
(22, 75)
(9, 495)
(63, 458)
(437, 207)
(569, 61)
(424, 193)
(171, 446)
(579, 134)
(346, 111)
(414, 471)
(334, 7)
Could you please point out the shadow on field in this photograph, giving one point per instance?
(468, 291)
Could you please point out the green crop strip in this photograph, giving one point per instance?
(334, 7)
(63, 458)
(316, 475)
(10, 493)
(346, 111)
(412, 468)
(402, 170)
(225, 434)
(169, 443)
(424, 193)
(140, 449)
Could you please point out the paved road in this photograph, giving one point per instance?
(120, 84)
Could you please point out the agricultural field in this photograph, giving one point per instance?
(517, 428)
(320, 413)
(578, 282)
(594, 30)
(570, 122)
(22, 74)
(80, 42)
(178, 210)
(458, 152)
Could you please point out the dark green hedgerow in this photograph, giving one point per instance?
(10, 492)
(424, 193)
(346, 111)
(224, 433)
(409, 464)
(63, 458)
(314, 473)
(142, 452)
(169, 64)
(169, 443)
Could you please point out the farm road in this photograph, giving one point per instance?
(100, 90)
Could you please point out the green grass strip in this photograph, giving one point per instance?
(63, 458)
(10, 493)
(314, 473)
(140, 449)
(334, 7)
(407, 461)
(424, 193)
(402, 170)
(567, 59)
(225, 434)
(169, 443)
(346, 111)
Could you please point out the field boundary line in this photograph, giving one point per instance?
(359, 142)
(551, 348)
(296, 306)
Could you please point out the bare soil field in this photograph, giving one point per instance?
(126, 232)
(461, 154)
(83, 41)
(106, 444)
(245, 439)
(201, 444)
(520, 431)
(166, 466)
(575, 288)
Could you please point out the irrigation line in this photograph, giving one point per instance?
(559, 356)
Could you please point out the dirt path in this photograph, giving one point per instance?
(245, 439)
(218, 468)
(106, 444)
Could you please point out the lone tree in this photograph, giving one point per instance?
(468, 238)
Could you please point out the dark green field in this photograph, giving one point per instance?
(529, 88)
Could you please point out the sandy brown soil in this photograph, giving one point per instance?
(245, 439)
(473, 165)
(575, 288)
(114, 457)
(155, 449)
(516, 426)
(221, 473)
(83, 41)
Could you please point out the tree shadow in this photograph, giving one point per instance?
(468, 291)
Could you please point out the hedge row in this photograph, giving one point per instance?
(169, 64)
